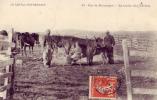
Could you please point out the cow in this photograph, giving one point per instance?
(90, 50)
(3, 33)
(101, 49)
(27, 40)
(36, 37)
(89, 47)
(22, 39)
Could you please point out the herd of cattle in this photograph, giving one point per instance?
(90, 47)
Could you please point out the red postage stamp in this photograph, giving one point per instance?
(102, 87)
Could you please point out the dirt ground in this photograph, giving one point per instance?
(33, 81)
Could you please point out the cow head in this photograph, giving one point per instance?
(4, 33)
(57, 40)
(99, 42)
(36, 37)
(67, 44)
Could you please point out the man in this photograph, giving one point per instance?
(48, 49)
(109, 42)
(75, 54)
(47, 38)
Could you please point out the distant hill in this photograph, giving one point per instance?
(92, 34)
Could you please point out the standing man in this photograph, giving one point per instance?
(109, 42)
(47, 38)
(48, 49)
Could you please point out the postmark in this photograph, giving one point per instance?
(102, 87)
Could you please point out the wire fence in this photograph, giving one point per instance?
(143, 46)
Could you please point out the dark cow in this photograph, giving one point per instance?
(90, 47)
(28, 40)
(22, 39)
(101, 48)
(36, 37)
(90, 50)
(4, 33)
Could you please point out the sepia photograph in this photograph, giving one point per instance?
(78, 50)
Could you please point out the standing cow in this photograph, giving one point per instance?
(92, 47)
(27, 40)
(87, 46)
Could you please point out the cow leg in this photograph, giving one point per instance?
(29, 49)
(69, 49)
(32, 49)
(25, 50)
(49, 63)
(22, 51)
(88, 60)
(91, 60)
(104, 57)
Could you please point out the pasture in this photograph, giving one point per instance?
(61, 81)
(33, 81)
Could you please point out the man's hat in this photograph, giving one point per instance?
(107, 32)
(48, 31)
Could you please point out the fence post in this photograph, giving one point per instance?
(6, 81)
(9, 67)
(12, 67)
(127, 69)
(10, 42)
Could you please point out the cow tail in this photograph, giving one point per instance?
(94, 51)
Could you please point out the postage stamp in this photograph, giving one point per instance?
(102, 87)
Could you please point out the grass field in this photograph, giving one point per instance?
(33, 81)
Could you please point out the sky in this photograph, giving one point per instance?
(69, 14)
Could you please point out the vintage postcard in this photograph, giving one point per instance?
(78, 50)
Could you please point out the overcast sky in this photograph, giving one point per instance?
(68, 14)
